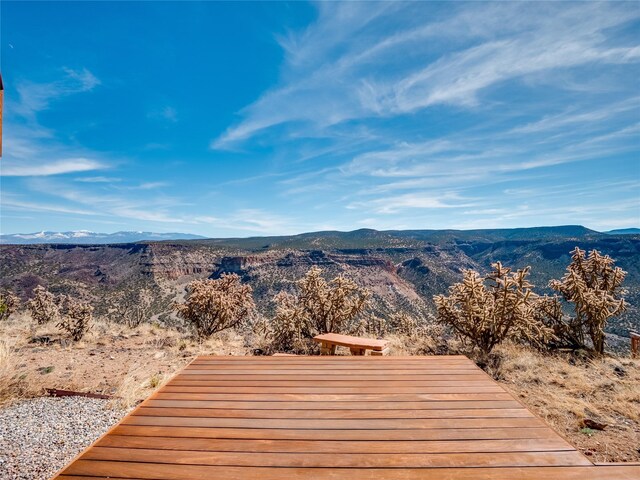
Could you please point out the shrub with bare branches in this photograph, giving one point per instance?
(74, 316)
(215, 305)
(593, 284)
(488, 311)
(9, 303)
(42, 306)
(131, 307)
(317, 307)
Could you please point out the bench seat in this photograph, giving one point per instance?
(357, 345)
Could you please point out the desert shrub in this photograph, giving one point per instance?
(403, 324)
(74, 316)
(487, 311)
(131, 307)
(42, 306)
(593, 285)
(373, 326)
(317, 307)
(215, 305)
(9, 303)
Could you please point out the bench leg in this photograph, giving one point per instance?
(357, 351)
(381, 352)
(327, 349)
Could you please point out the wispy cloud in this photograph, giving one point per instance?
(166, 113)
(98, 179)
(36, 97)
(400, 203)
(33, 150)
(56, 167)
(348, 64)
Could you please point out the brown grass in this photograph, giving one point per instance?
(6, 368)
(564, 390)
(112, 358)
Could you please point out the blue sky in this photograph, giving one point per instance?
(238, 119)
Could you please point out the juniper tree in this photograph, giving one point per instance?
(215, 305)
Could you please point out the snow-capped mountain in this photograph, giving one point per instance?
(87, 237)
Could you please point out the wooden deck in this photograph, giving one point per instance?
(356, 418)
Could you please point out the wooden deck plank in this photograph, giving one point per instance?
(187, 382)
(337, 460)
(335, 367)
(347, 435)
(332, 414)
(353, 372)
(440, 418)
(91, 468)
(374, 377)
(329, 389)
(331, 397)
(336, 446)
(334, 424)
(300, 405)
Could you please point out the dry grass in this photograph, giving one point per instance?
(137, 385)
(6, 368)
(112, 358)
(564, 390)
(131, 363)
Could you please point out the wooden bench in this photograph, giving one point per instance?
(358, 346)
(635, 344)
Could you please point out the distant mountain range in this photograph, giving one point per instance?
(85, 237)
(624, 231)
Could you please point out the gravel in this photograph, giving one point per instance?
(41, 435)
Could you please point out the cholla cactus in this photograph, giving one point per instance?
(9, 303)
(487, 311)
(42, 306)
(74, 316)
(131, 307)
(289, 329)
(215, 305)
(404, 324)
(593, 284)
(317, 307)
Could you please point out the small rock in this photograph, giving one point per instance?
(621, 372)
(592, 424)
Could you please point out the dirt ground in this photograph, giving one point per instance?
(113, 359)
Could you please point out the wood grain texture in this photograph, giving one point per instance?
(437, 418)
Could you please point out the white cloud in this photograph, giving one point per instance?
(55, 167)
(98, 179)
(420, 200)
(35, 97)
(357, 61)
